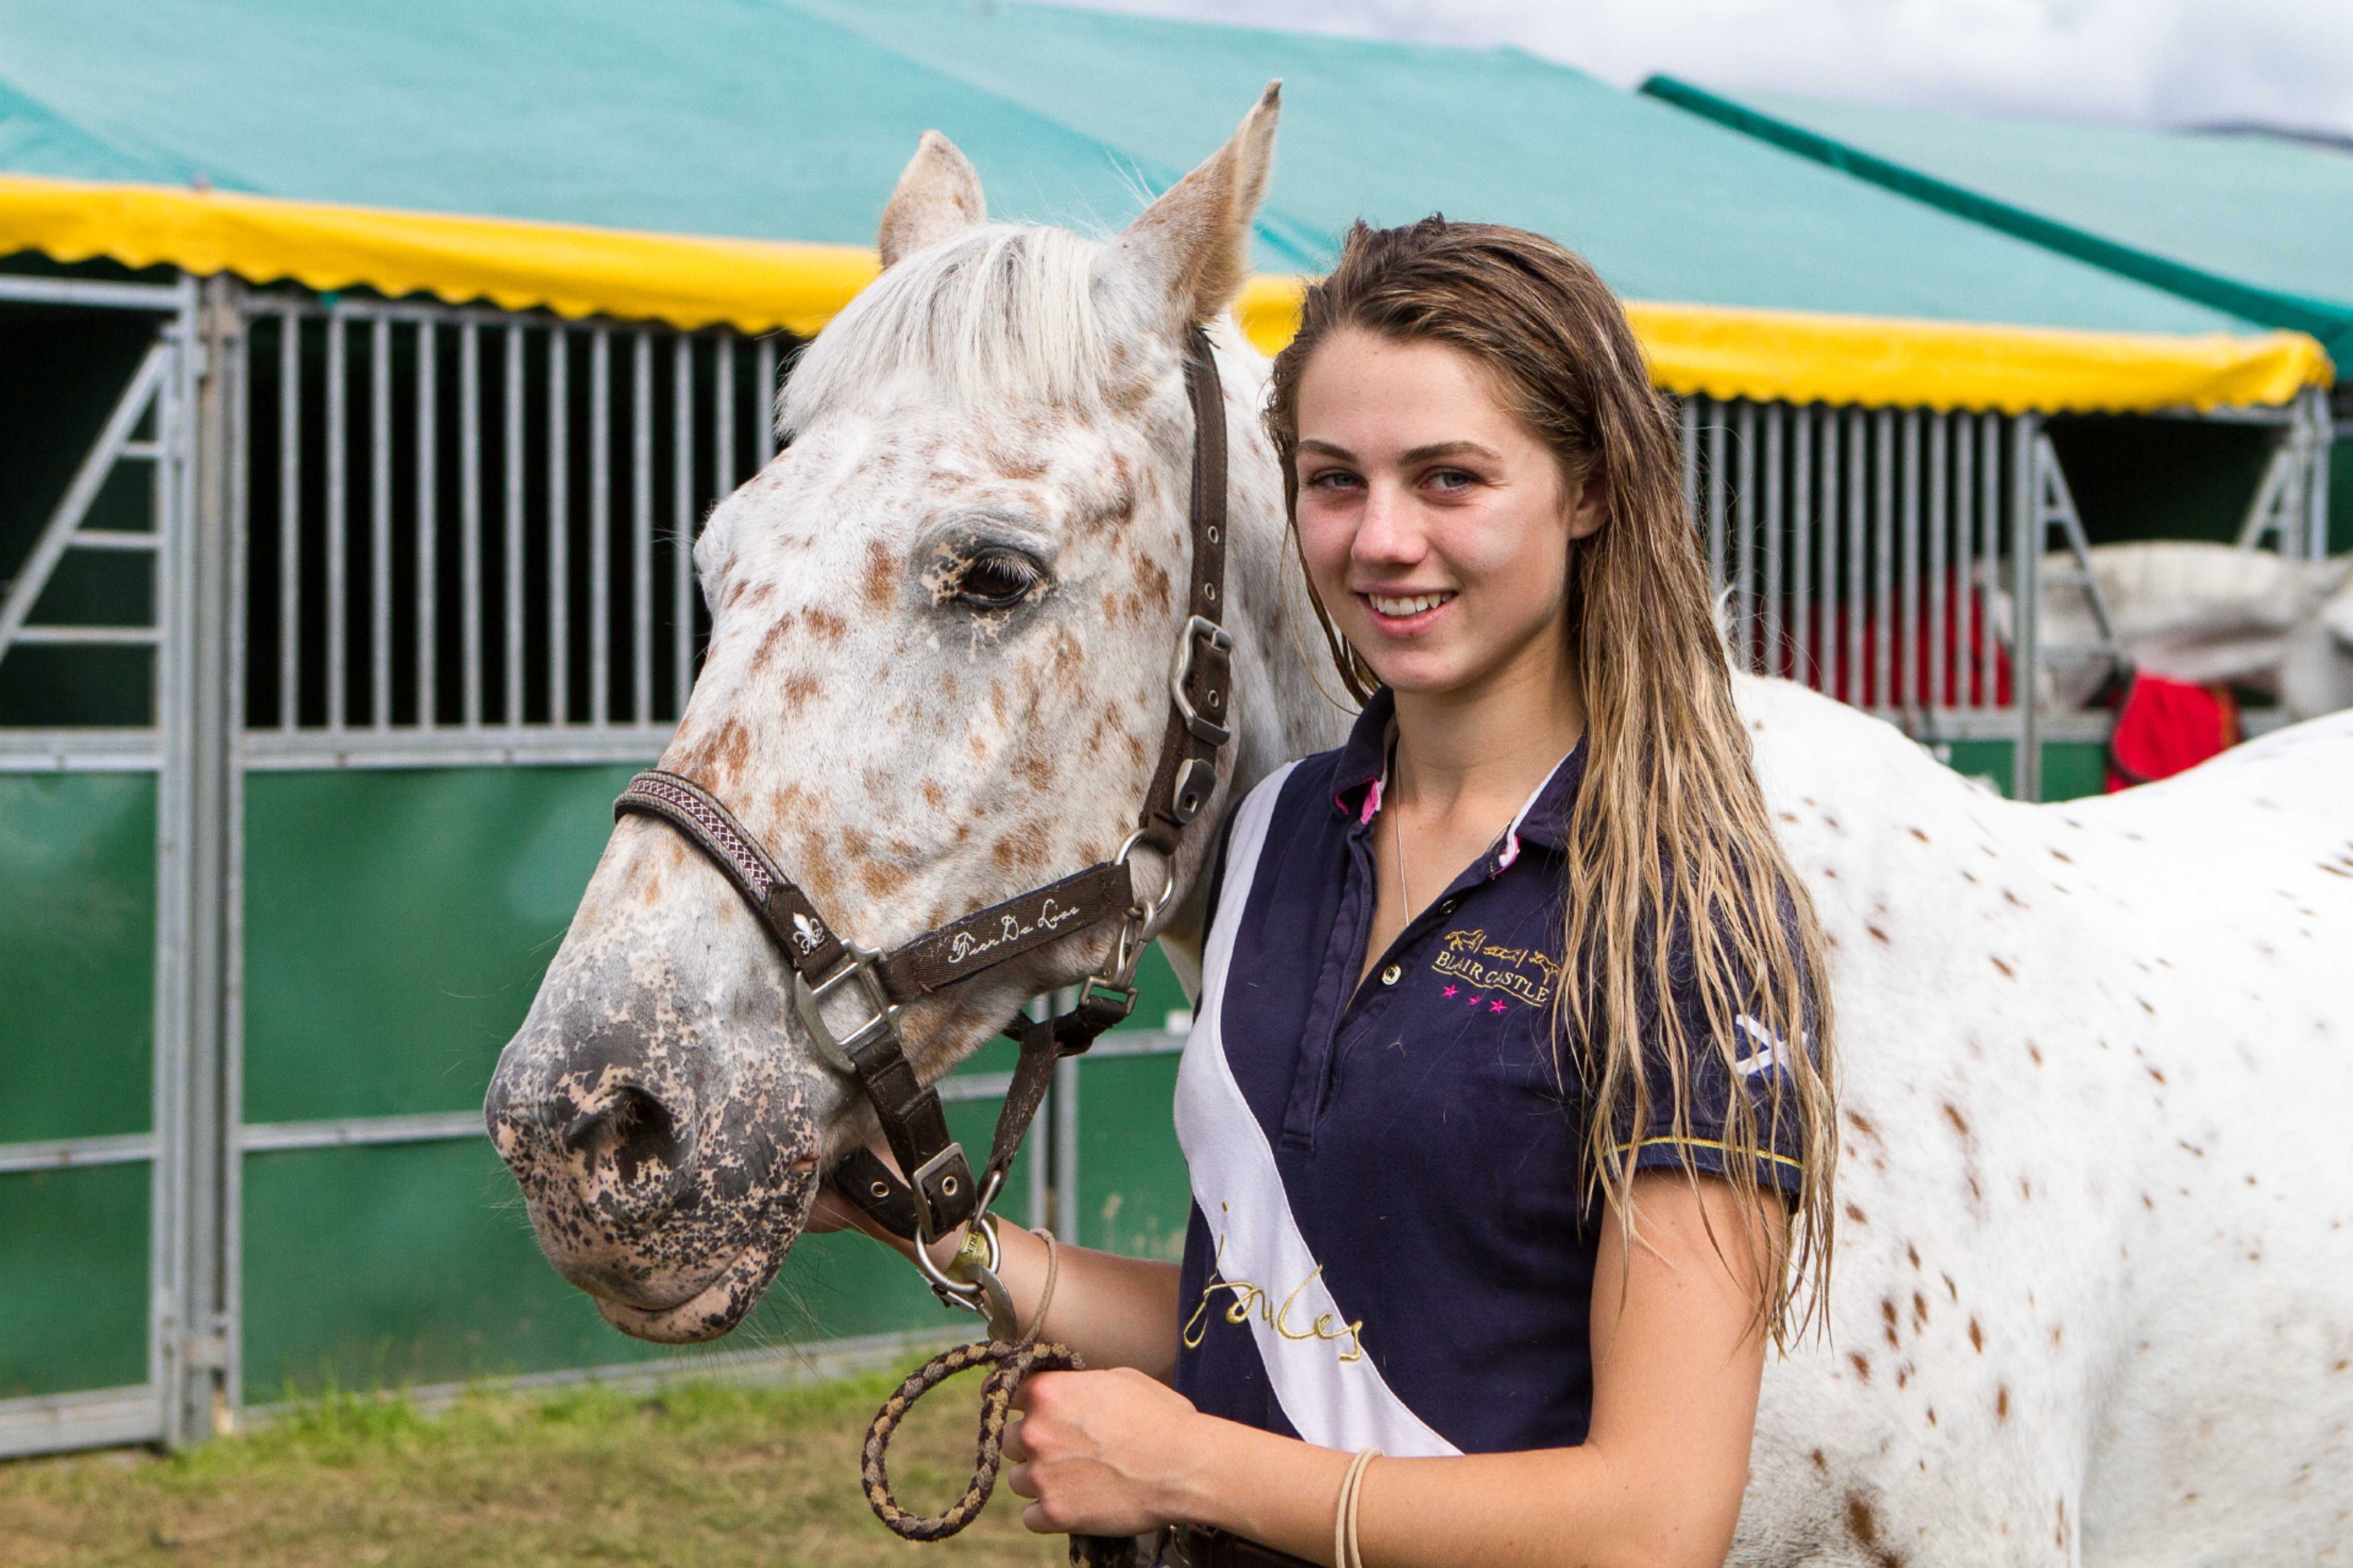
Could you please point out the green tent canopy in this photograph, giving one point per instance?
(2258, 226)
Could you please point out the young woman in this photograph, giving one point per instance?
(1509, 1110)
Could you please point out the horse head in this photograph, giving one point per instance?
(942, 623)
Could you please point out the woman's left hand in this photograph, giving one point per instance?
(1101, 1453)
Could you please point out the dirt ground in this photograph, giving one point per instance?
(699, 1475)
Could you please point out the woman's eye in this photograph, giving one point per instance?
(1333, 479)
(1452, 480)
(999, 580)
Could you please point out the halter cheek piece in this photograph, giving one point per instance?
(941, 1192)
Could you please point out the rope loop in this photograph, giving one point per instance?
(1009, 1364)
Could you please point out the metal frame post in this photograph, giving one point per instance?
(199, 805)
(2026, 597)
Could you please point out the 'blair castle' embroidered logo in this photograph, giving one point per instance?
(1518, 971)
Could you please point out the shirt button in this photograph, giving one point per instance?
(1389, 975)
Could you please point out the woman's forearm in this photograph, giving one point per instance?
(1552, 1505)
(1114, 1310)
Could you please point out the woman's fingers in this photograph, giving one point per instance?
(1019, 1479)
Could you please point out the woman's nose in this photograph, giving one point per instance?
(1388, 534)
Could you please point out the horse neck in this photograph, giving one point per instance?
(1286, 685)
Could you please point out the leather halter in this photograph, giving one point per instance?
(944, 1193)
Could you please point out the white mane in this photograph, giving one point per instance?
(998, 306)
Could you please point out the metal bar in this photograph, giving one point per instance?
(1744, 575)
(1906, 689)
(1065, 1151)
(428, 525)
(1776, 660)
(1968, 620)
(1939, 446)
(1883, 559)
(1858, 519)
(86, 636)
(1828, 609)
(380, 524)
(681, 557)
(511, 565)
(724, 479)
(2319, 445)
(113, 539)
(359, 1131)
(1989, 552)
(1805, 667)
(276, 752)
(79, 1153)
(78, 751)
(57, 534)
(93, 1418)
(559, 526)
(641, 528)
(337, 525)
(600, 527)
(163, 297)
(234, 358)
(764, 370)
(470, 518)
(2026, 574)
(961, 1088)
(1718, 434)
(289, 519)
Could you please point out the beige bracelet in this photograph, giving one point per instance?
(1345, 1553)
(1053, 1272)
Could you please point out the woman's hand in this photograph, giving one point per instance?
(1103, 1453)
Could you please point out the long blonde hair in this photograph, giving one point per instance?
(1671, 851)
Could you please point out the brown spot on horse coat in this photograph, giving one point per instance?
(880, 580)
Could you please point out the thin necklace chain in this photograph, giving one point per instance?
(1397, 835)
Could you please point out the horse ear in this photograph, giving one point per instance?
(937, 194)
(1185, 259)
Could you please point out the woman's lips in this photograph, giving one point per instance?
(1406, 615)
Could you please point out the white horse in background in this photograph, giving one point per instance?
(2093, 1299)
(2206, 614)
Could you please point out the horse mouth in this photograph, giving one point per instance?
(707, 1314)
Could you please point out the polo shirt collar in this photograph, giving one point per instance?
(1356, 785)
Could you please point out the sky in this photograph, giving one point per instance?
(2286, 63)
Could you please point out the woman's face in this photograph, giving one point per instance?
(1435, 524)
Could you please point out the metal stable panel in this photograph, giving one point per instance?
(1874, 556)
(182, 749)
(533, 599)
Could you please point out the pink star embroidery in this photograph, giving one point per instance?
(1495, 1007)
(1448, 992)
(1474, 1003)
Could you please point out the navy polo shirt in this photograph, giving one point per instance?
(1426, 1133)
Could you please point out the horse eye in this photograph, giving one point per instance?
(999, 580)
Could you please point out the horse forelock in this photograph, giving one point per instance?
(1000, 310)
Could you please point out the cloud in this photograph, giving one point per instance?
(2132, 62)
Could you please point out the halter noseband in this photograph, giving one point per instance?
(940, 1193)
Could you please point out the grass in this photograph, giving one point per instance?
(699, 1476)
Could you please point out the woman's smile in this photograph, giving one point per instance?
(1406, 615)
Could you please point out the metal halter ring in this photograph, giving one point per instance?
(809, 1002)
(1144, 914)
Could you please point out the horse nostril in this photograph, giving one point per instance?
(634, 1131)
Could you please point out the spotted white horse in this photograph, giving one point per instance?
(2093, 1290)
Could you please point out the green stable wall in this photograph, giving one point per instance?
(397, 927)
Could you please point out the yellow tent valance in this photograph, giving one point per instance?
(762, 285)
(1798, 356)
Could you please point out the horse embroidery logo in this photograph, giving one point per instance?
(1522, 973)
(807, 934)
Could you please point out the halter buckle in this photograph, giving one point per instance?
(809, 1001)
(1200, 632)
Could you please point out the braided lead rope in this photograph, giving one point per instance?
(1008, 1364)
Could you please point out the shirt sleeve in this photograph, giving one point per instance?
(1759, 1071)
